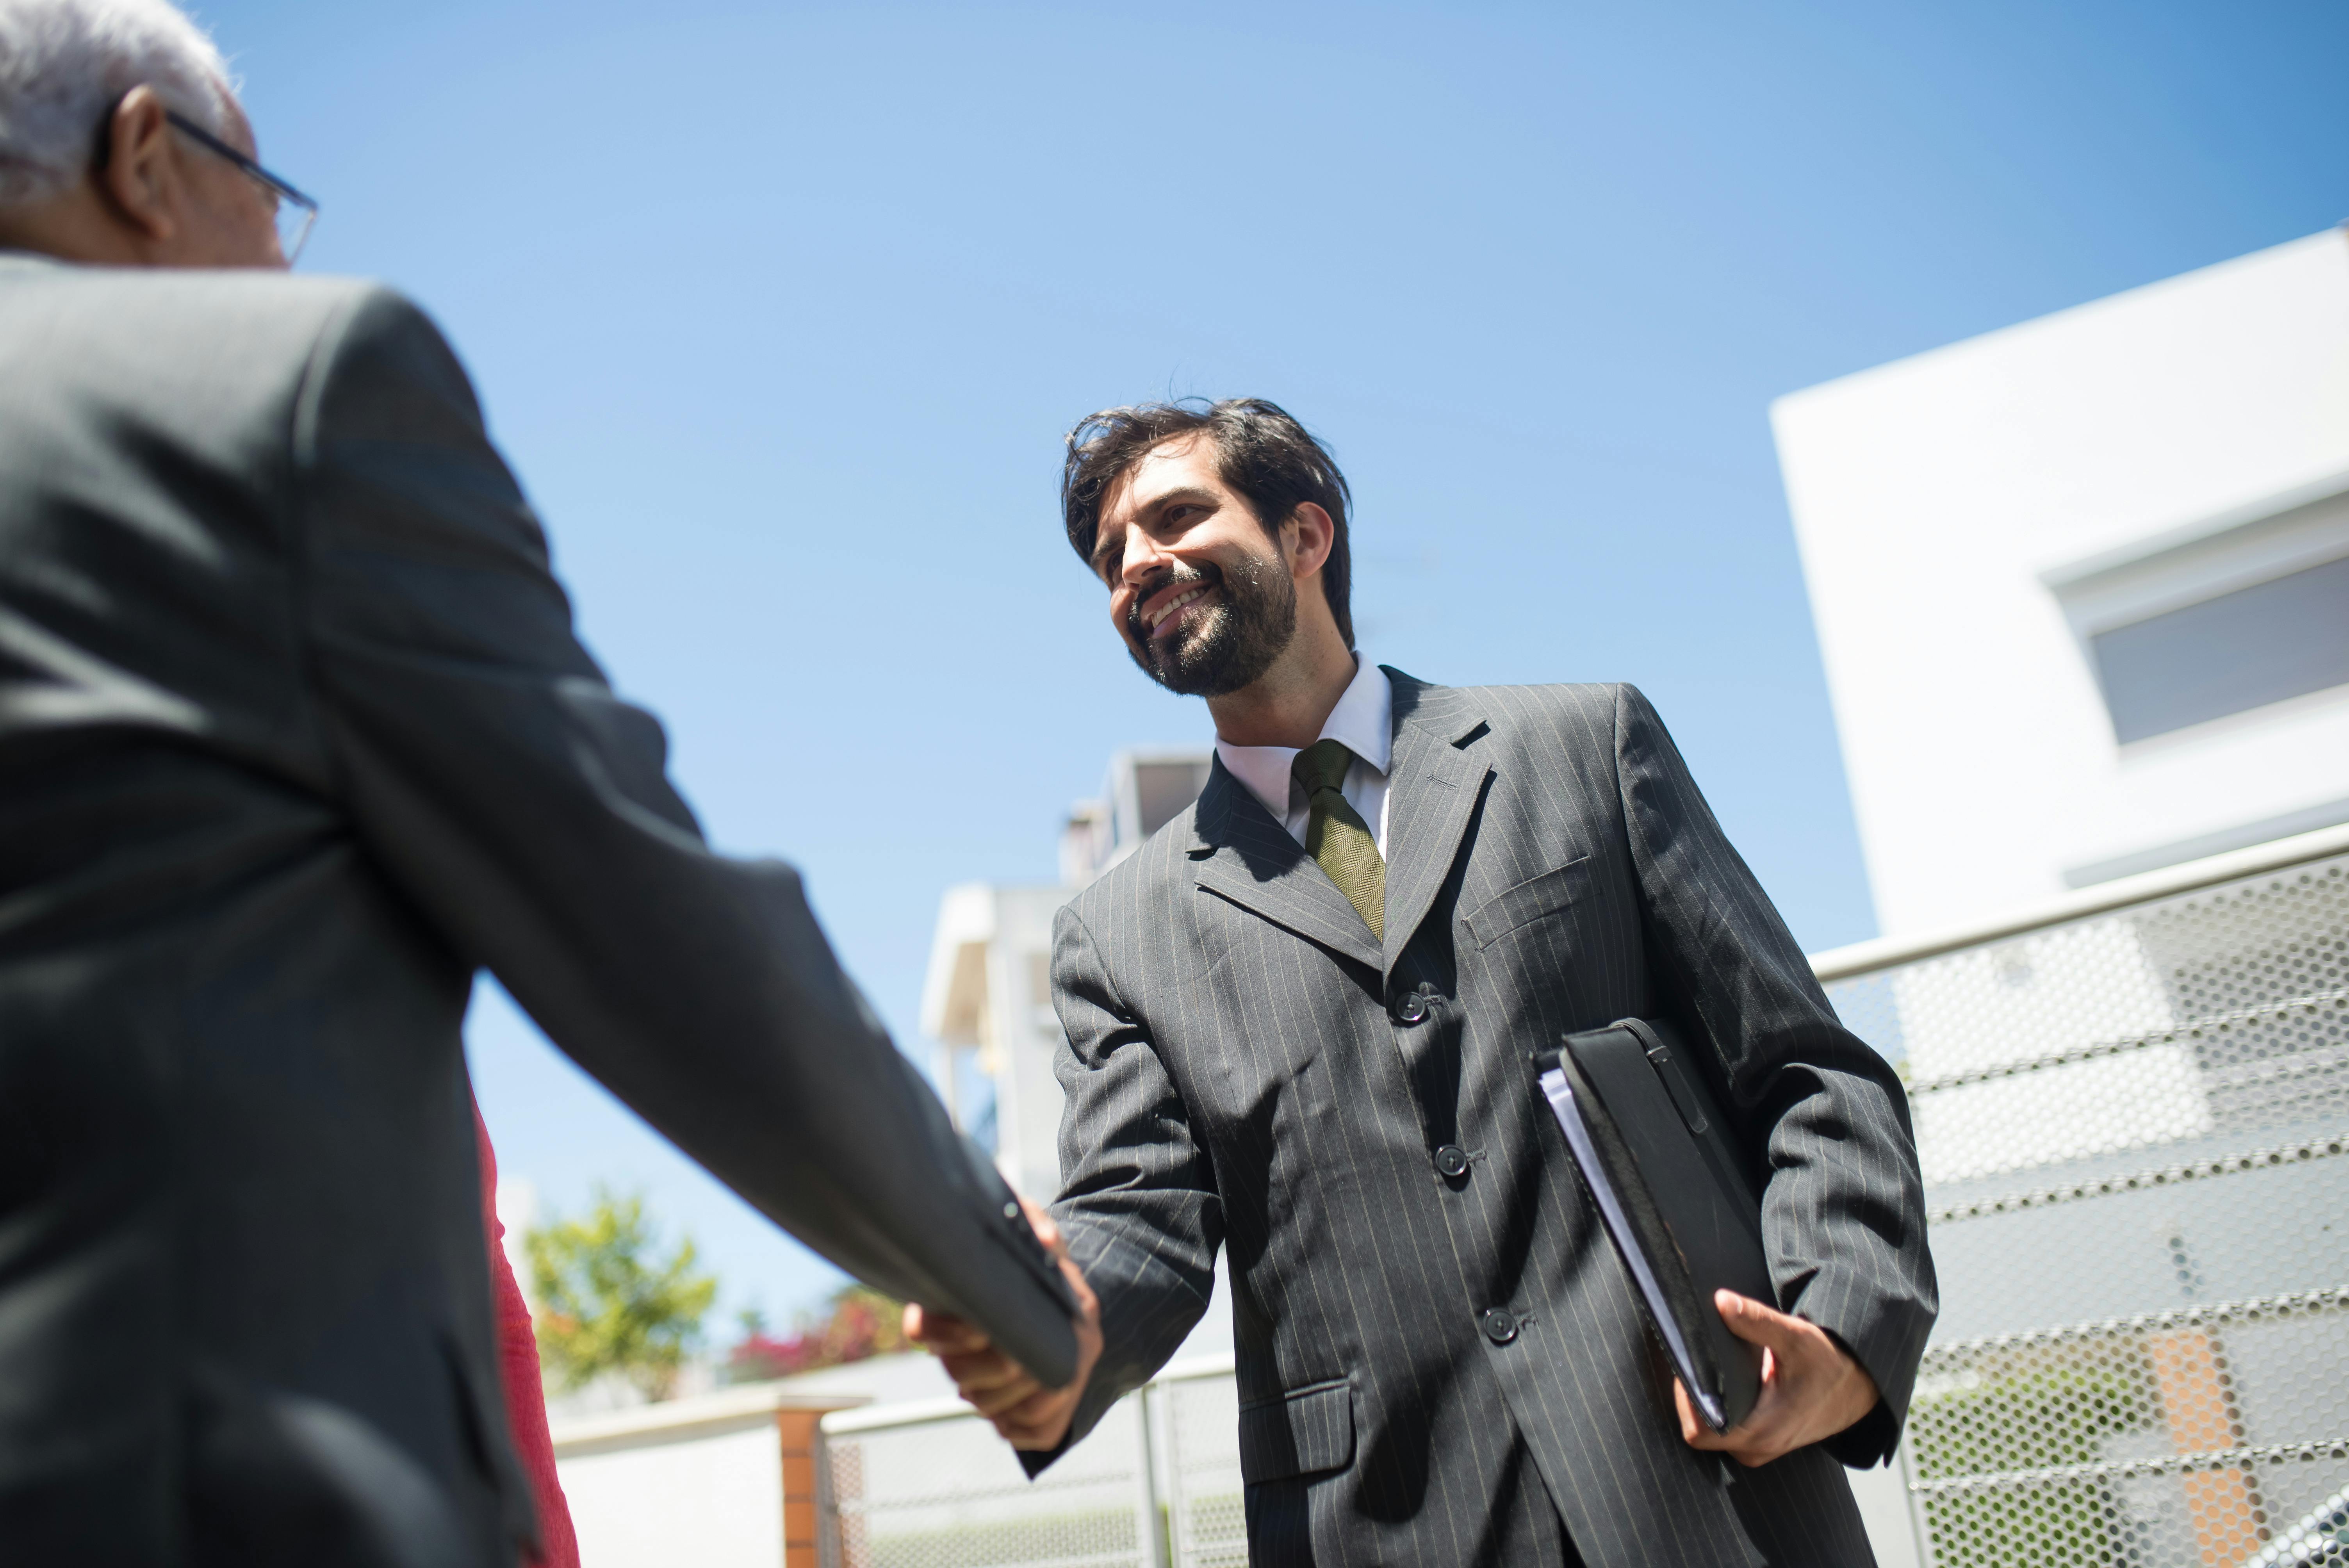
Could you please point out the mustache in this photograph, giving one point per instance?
(1175, 575)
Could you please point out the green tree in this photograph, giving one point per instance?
(606, 1303)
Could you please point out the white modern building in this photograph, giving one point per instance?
(990, 987)
(2083, 585)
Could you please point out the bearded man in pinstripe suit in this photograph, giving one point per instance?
(1297, 1024)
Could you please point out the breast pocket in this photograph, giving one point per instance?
(1557, 889)
(1304, 1432)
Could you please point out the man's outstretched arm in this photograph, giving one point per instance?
(524, 809)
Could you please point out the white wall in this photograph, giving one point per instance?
(1935, 497)
(706, 1496)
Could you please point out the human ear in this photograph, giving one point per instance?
(1307, 538)
(140, 178)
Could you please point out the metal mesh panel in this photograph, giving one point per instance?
(950, 1494)
(1207, 1522)
(2134, 1134)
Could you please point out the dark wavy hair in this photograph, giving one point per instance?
(1260, 452)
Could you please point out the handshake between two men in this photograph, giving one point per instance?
(297, 736)
(1031, 1414)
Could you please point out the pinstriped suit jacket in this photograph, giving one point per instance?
(1239, 1076)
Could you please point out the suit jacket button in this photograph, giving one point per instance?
(1409, 1007)
(1452, 1160)
(1500, 1326)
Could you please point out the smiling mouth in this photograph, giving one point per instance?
(1161, 622)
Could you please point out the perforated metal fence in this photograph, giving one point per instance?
(2135, 1134)
(1198, 1420)
(1157, 1483)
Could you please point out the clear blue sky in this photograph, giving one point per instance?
(780, 311)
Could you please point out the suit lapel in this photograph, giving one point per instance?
(1240, 853)
(1432, 787)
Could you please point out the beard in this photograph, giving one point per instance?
(1233, 642)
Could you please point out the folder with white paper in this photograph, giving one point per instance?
(1672, 1195)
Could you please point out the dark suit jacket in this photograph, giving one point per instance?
(295, 736)
(1241, 1072)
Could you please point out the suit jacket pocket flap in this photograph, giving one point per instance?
(1303, 1431)
(1529, 901)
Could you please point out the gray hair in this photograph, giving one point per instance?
(65, 63)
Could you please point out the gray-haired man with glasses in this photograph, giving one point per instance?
(294, 738)
(152, 165)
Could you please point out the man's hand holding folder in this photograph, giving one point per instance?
(1676, 1195)
(1812, 1388)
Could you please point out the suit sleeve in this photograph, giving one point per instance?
(524, 810)
(1138, 1203)
(1843, 1209)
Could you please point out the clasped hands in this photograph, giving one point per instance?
(1812, 1388)
(1027, 1414)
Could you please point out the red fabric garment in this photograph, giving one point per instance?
(518, 1368)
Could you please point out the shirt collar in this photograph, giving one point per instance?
(1363, 719)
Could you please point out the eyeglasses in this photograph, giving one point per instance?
(295, 212)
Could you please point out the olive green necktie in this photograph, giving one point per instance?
(1336, 836)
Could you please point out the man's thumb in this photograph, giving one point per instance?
(1753, 1322)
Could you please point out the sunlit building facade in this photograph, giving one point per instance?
(2083, 585)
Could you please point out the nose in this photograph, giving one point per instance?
(1144, 557)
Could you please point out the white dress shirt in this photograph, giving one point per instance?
(1364, 720)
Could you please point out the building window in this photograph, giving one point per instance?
(2283, 638)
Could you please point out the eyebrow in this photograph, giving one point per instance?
(1181, 492)
(1098, 559)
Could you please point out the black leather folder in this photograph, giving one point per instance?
(1671, 1186)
